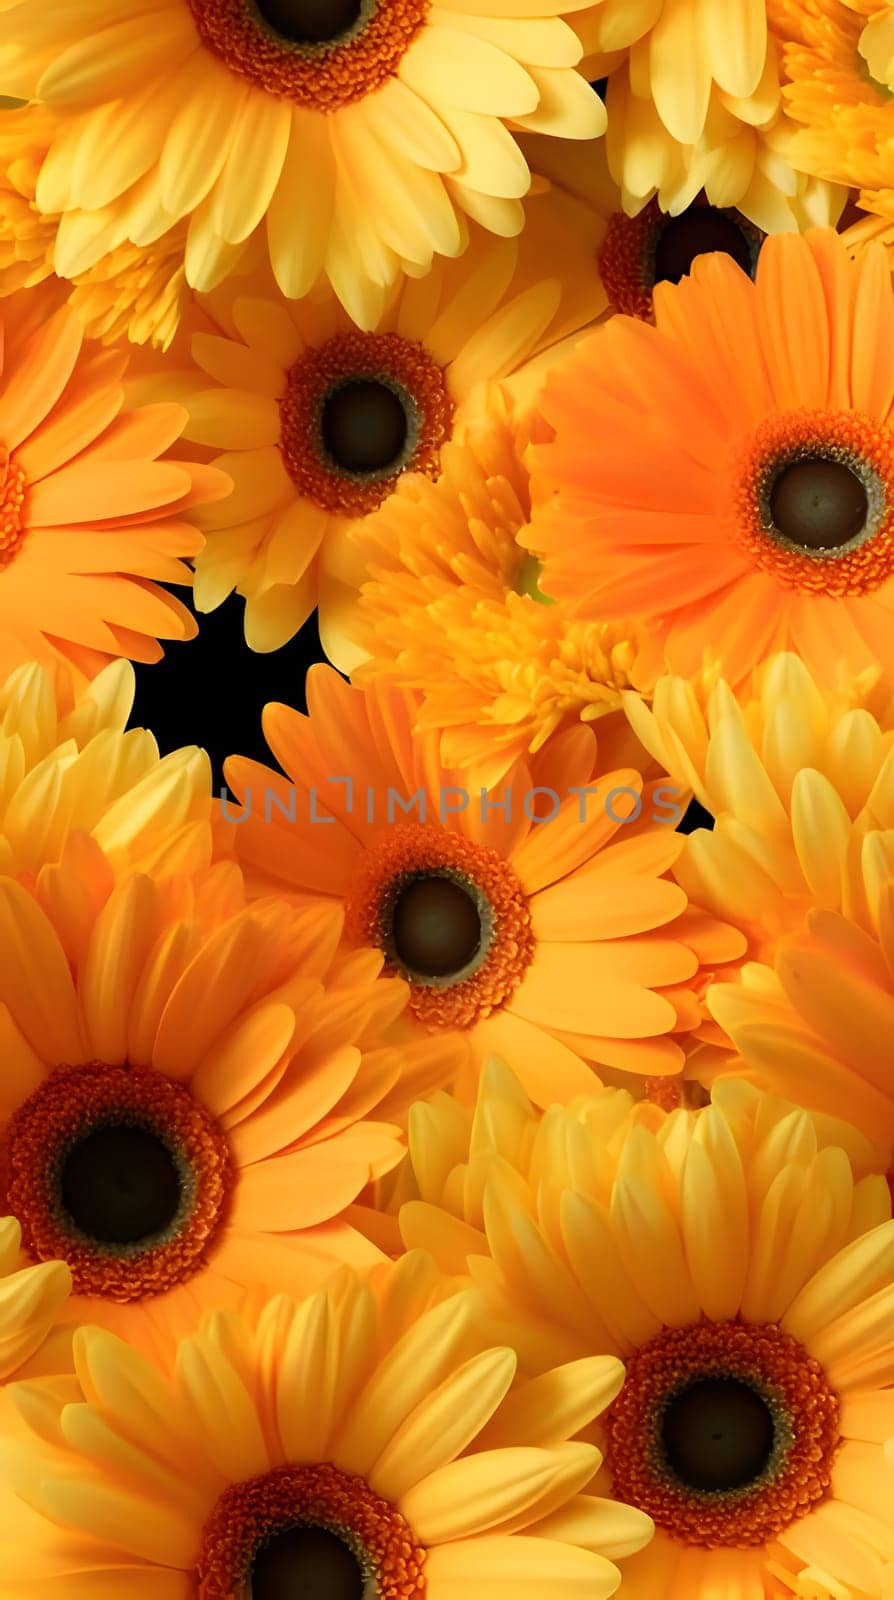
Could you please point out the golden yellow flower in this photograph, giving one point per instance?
(799, 778)
(317, 420)
(838, 74)
(356, 140)
(740, 1261)
(373, 1440)
(452, 608)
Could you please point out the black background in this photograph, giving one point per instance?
(211, 691)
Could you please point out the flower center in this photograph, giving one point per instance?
(724, 1432)
(718, 1434)
(358, 411)
(694, 233)
(365, 426)
(320, 54)
(12, 498)
(651, 248)
(818, 503)
(119, 1172)
(309, 21)
(451, 917)
(306, 1561)
(120, 1184)
(311, 1531)
(436, 926)
(813, 501)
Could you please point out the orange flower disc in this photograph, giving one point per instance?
(270, 1531)
(118, 1171)
(319, 56)
(451, 917)
(724, 1433)
(358, 411)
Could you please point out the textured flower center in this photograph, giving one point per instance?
(451, 917)
(651, 248)
(358, 411)
(12, 499)
(813, 501)
(310, 1531)
(320, 54)
(724, 1432)
(119, 1172)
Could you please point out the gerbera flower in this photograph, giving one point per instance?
(741, 1264)
(372, 1439)
(796, 779)
(818, 1022)
(318, 420)
(728, 474)
(452, 608)
(838, 76)
(188, 1087)
(693, 103)
(536, 918)
(361, 139)
(131, 293)
(67, 765)
(90, 513)
(30, 1300)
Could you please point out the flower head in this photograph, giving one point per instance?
(741, 504)
(372, 1439)
(535, 920)
(739, 1259)
(355, 139)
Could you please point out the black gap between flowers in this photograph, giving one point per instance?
(695, 816)
(211, 690)
(600, 85)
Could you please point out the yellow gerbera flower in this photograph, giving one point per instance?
(694, 102)
(90, 511)
(818, 1022)
(68, 766)
(536, 918)
(360, 138)
(798, 779)
(30, 1300)
(838, 70)
(131, 293)
(193, 1089)
(317, 420)
(741, 1263)
(372, 1440)
(452, 608)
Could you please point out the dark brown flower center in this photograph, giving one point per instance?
(309, 21)
(818, 503)
(120, 1184)
(717, 1434)
(364, 426)
(306, 1563)
(694, 233)
(436, 926)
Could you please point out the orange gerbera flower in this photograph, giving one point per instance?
(726, 477)
(187, 1088)
(536, 918)
(318, 420)
(369, 1441)
(89, 512)
(452, 608)
(818, 1024)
